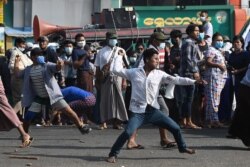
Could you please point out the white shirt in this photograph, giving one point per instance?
(145, 89)
(208, 29)
(104, 55)
(25, 60)
(68, 70)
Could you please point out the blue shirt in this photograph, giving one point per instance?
(77, 54)
(73, 93)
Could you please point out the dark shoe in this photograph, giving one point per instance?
(217, 125)
(136, 147)
(85, 129)
(188, 151)
(168, 145)
(111, 159)
(119, 127)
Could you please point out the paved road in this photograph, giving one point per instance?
(66, 147)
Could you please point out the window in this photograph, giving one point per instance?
(172, 2)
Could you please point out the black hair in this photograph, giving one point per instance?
(66, 42)
(139, 44)
(216, 35)
(148, 53)
(79, 35)
(204, 11)
(19, 40)
(240, 38)
(87, 47)
(201, 28)
(190, 28)
(175, 33)
(35, 52)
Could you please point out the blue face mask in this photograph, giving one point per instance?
(40, 59)
(68, 50)
(218, 44)
(201, 36)
(112, 42)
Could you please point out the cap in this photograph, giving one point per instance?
(35, 52)
(226, 38)
(95, 46)
(159, 29)
(29, 45)
(42, 38)
(159, 36)
(111, 35)
(20, 40)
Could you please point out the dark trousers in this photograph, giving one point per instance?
(188, 96)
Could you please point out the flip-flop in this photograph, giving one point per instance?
(27, 142)
(136, 147)
(192, 127)
(170, 145)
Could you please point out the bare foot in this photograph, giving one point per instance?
(131, 144)
(111, 159)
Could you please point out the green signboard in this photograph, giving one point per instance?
(221, 17)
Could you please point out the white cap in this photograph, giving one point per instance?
(29, 44)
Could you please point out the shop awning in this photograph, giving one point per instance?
(17, 33)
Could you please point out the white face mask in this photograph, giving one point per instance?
(162, 45)
(112, 42)
(68, 50)
(21, 49)
(132, 59)
(203, 19)
(92, 57)
(81, 44)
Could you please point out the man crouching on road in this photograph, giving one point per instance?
(40, 86)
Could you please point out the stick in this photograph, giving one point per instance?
(23, 157)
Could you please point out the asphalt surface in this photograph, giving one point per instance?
(66, 147)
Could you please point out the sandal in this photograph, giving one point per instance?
(102, 126)
(119, 127)
(192, 126)
(136, 147)
(169, 144)
(27, 142)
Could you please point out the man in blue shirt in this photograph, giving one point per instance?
(81, 63)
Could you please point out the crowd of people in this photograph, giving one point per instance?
(198, 82)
